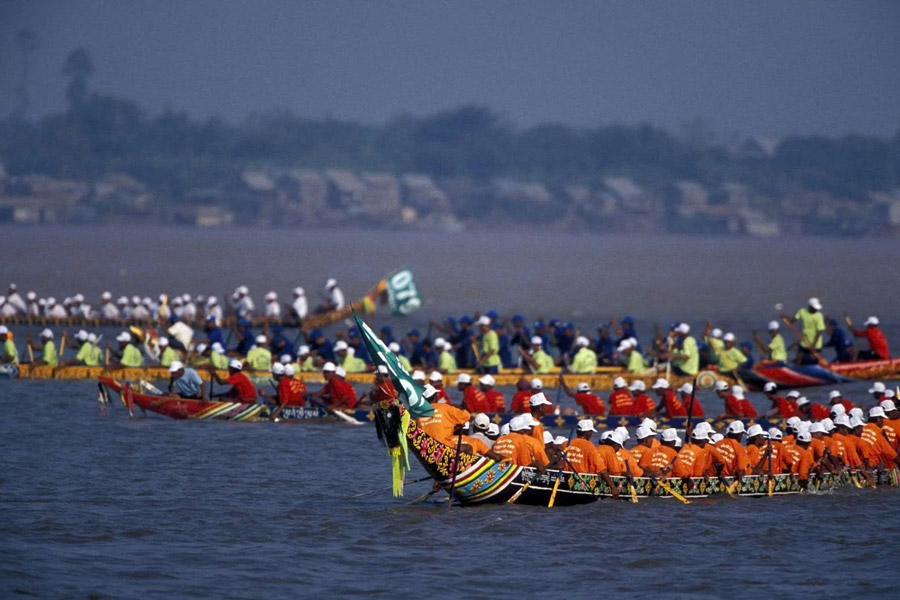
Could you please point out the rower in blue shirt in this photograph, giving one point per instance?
(321, 345)
(246, 340)
(843, 347)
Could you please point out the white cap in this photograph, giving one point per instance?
(331, 282)
(243, 289)
(583, 387)
(537, 340)
(217, 347)
(3, 329)
(31, 295)
(738, 392)
(834, 394)
(536, 384)
(683, 328)
(520, 422)
(92, 338)
(715, 333)
(660, 384)
(728, 337)
(394, 347)
(260, 339)
(383, 370)
(721, 385)
(700, 434)
(560, 440)
(299, 291)
(871, 321)
(212, 301)
(838, 409)
(538, 399)
(793, 394)
(486, 380)
(804, 436)
(755, 430)
(619, 382)
(329, 366)
(856, 412)
(304, 349)
(623, 431)
(340, 345)
(582, 341)
(586, 425)
(644, 432)
(271, 296)
(285, 359)
(735, 427)
(770, 386)
(162, 341)
(484, 320)
(793, 421)
(618, 437)
(82, 335)
(429, 391)
(201, 348)
(481, 421)
(289, 370)
(817, 428)
(46, 333)
(686, 388)
(889, 393)
(351, 351)
(548, 437)
(649, 424)
(277, 369)
(105, 296)
(440, 342)
(435, 376)
(774, 326)
(877, 411)
(463, 378)
(887, 405)
(814, 302)
(340, 372)
(704, 426)
(79, 298)
(715, 438)
(623, 346)
(877, 388)
(235, 364)
(176, 365)
(503, 430)
(842, 420)
(122, 300)
(802, 401)
(123, 337)
(669, 435)
(418, 375)
(638, 385)
(855, 422)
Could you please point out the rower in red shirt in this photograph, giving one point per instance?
(524, 391)
(473, 398)
(669, 404)
(781, 407)
(591, 404)
(337, 392)
(620, 401)
(242, 389)
(809, 411)
(732, 402)
(686, 390)
(437, 382)
(878, 345)
(492, 397)
(291, 391)
(644, 406)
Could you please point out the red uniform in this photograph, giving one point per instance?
(877, 342)
(475, 401)
(732, 406)
(341, 393)
(673, 405)
(698, 408)
(496, 401)
(291, 392)
(591, 404)
(621, 403)
(442, 393)
(644, 404)
(818, 411)
(246, 391)
(520, 402)
(786, 410)
(748, 411)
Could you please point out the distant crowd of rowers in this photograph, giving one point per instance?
(840, 440)
(483, 342)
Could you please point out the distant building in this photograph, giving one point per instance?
(306, 193)
(382, 196)
(421, 193)
(345, 191)
(758, 147)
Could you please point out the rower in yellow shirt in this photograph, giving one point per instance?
(128, 355)
(634, 362)
(775, 349)
(259, 358)
(446, 360)
(47, 349)
(686, 358)
(538, 360)
(89, 354)
(730, 358)
(489, 357)
(217, 357)
(585, 360)
(8, 352)
(167, 354)
(305, 362)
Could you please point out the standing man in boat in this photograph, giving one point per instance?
(299, 306)
(47, 349)
(185, 382)
(775, 350)
(242, 389)
(878, 344)
(812, 329)
(8, 352)
(489, 354)
(685, 357)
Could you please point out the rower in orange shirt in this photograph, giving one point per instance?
(695, 460)
(620, 401)
(473, 398)
(492, 397)
(843, 445)
(529, 452)
(734, 454)
(445, 420)
(659, 461)
(644, 405)
(583, 457)
(607, 451)
(776, 441)
(756, 440)
(891, 427)
(817, 444)
(872, 434)
(591, 404)
(645, 437)
(627, 463)
(802, 460)
(539, 407)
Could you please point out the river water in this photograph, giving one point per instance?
(96, 505)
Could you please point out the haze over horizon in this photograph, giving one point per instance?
(768, 68)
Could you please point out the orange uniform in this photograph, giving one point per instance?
(537, 432)
(714, 460)
(659, 459)
(520, 402)
(872, 435)
(441, 424)
(621, 403)
(584, 457)
(610, 459)
(691, 461)
(495, 400)
(520, 449)
(801, 460)
(788, 439)
(478, 447)
(639, 451)
(891, 431)
(627, 463)
(817, 447)
(843, 448)
(644, 404)
(591, 404)
(754, 454)
(734, 456)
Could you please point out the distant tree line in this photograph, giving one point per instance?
(175, 153)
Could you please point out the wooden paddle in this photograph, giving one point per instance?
(671, 491)
(631, 490)
(333, 411)
(771, 483)
(455, 466)
(62, 345)
(562, 458)
(515, 496)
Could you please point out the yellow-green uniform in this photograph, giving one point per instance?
(89, 355)
(635, 362)
(584, 361)
(49, 355)
(167, 357)
(259, 358)
(199, 361)
(811, 323)
(132, 357)
(352, 364)
(691, 364)
(715, 345)
(446, 362)
(490, 342)
(405, 362)
(306, 365)
(777, 349)
(218, 360)
(10, 354)
(544, 361)
(730, 359)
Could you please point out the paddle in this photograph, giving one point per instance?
(515, 496)
(690, 417)
(771, 483)
(425, 496)
(801, 339)
(390, 487)
(332, 411)
(630, 480)
(564, 459)
(62, 345)
(670, 490)
(455, 466)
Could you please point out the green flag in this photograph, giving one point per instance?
(403, 295)
(410, 391)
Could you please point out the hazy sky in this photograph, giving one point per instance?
(756, 67)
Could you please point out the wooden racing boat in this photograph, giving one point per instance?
(481, 480)
(795, 376)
